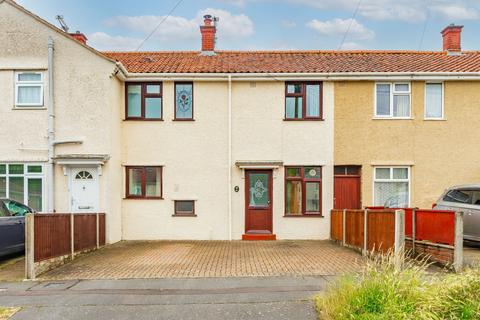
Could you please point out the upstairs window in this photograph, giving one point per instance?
(29, 89)
(392, 100)
(183, 101)
(144, 101)
(433, 101)
(303, 101)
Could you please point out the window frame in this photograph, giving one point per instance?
(303, 95)
(40, 84)
(304, 182)
(26, 177)
(144, 95)
(175, 101)
(391, 180)
(143, 183)
(425, 101)
(393, 93)
(183, 213)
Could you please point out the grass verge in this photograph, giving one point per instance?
(381, 292)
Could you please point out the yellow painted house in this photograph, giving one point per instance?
(227, 145)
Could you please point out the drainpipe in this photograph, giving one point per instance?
(230, 156)
(51, 131)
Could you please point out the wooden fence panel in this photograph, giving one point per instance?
(354, 228)
(336, 231)
(102, 234)
(51, 236)
(437, 226)
(381, 230)
(85, 231)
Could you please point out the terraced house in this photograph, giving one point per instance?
(215, 144)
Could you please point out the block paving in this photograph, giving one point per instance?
(179, 259)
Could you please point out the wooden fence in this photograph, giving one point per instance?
(437, 234)
(369, 230)
(52, 238)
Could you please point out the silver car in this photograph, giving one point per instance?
(465, 198)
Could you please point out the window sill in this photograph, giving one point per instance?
(313, 119)
(29, 108)
(143, 198)
(141, 119)
(392, 118)
(184, 215)
(433, 119)
(303, 216)
(182, 120)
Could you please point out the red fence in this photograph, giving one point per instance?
(435, 226)
(50, 236)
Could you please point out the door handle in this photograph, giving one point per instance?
(268, 201)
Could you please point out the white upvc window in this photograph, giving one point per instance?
(28, 89)
(392, 100)
(391, 187)
(23, 182)
(434, 97)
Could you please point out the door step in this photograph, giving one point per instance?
(258, 236)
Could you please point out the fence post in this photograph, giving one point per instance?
(344, 224)
(98, 230)
(72, 235)
(30, 246)
(458, 251)
(399, 238)
(414, 229)
(365, 232)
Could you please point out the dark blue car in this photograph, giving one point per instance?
(12, 226)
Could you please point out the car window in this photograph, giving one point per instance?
(476, 197)
(17, 209)
(3, 210)
(463, 196)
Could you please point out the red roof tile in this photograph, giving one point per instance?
(297, 61)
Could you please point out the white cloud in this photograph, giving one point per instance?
(175, 28)
(288, 23)
(456, 12)
(230, 25)
(338, 27)
(103, 41)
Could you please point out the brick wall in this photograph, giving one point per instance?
(435, 253)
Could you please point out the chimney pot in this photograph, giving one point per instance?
(208, 31)
(79, 37)
(452, 41)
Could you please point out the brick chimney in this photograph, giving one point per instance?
(79, 37)
(208, 31)
(452, 38)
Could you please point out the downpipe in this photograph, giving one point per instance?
(51, 130)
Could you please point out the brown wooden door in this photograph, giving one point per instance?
(347, 183)
(258, 201)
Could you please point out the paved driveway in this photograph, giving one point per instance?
(193, 259)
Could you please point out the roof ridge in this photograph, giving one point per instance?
(291, 52)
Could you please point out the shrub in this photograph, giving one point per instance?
(382, 292)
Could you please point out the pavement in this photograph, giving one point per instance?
(194, 298)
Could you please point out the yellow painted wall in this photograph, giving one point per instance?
(442, 153)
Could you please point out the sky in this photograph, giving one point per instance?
(266, 24)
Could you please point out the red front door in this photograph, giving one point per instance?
(347, 184)
(258, 202)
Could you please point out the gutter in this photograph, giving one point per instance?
(51, 130)
(337, 76)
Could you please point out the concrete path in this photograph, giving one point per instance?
(201, 298)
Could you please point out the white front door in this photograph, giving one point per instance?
(84, 190)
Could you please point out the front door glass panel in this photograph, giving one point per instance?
(259, 190)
